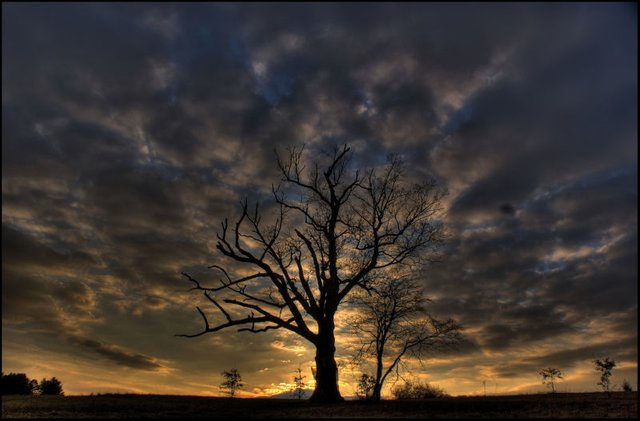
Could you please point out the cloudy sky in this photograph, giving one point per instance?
(129, 131)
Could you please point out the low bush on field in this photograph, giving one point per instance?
(417, 390)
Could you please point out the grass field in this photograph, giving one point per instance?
(560, 405)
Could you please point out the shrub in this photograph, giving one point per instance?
(418, 390)
(51, 387)
(366, 383)
(626, 386)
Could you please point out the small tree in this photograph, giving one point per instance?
(605, 366)
(626, 386)
(232, 382)
(366, 383)
(392, 323)
(51, 387)
(298, 388)
(550, 376)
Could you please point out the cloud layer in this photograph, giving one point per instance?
(131, 130)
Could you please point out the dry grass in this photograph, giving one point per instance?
(561, 405)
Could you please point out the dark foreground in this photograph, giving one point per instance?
(571, 405)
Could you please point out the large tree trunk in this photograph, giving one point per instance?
(377, 392)
(377, 387)
(326, 367)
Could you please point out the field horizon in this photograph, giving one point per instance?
(112, 405)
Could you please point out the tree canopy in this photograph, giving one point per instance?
(331, 229)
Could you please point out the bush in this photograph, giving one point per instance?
(418, 390)
(365, 387)
(626, 386)
(51, 387)
(18, 384)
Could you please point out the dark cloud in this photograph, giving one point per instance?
(56, 310)
(115, 354)
(21, 250)
(619, 350)
(131, 130)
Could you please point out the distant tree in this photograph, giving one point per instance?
(333, 225)
(18, 384)
(604, 366)
(550, 376)
(626, 386)
(34, 386)
(417, 390)
(51, 387)
(366, 383)
(232, 382)
(392, 323)
(299, 384)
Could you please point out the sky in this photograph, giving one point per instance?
(131, 130)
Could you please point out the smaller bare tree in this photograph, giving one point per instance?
(299, 384)
(605, 365)
(392, 322)
(550, 376)
(232, 382)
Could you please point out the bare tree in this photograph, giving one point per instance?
(550, 376)
(299, 384)
(604, 366)
(332, 228)
(393, 323)
(232, 381)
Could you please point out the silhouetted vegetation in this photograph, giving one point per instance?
(51, 386)
(299, 384)
(417, 390)
(393, 323)
(18, 384)
(626, 386)
(232, 382)
(550, 376)
(558, 405)
(333, 228)
(604, 366)
(364, 390)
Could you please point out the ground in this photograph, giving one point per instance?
(560, 405)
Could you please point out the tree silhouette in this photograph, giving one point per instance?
(366, 383)
(550, 376)
(393, 323)
(52, 386)
(232, 382)
(18, 384)
(333, 227)
(605, 365)
(299, 384)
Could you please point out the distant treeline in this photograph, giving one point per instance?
(20, 384)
